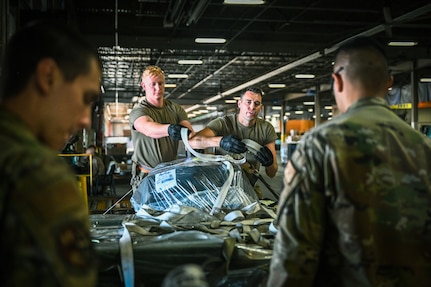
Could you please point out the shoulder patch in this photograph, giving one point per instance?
(74, 246)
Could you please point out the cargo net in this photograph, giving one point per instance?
(212, 186)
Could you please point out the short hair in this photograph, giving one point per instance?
(39, 40)
(362, 42)
(364, 61)
(252, 89)
(152, 71)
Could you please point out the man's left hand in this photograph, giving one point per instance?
(264, 156)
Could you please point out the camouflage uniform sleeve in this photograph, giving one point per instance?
(52, 245)
(300, 216)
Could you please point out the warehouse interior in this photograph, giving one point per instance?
(286, 48)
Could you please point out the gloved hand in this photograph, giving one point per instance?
(264, 156)
(232, 144)
(174, 131)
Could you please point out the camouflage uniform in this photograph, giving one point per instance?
(44, 226)
(356, 207)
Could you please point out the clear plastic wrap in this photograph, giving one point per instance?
(212, 186)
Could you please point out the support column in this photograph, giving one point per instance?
(4, 10)
(414, 92)
(317, 106)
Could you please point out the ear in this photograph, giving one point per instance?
(390, 82)
(238, 103)
(338, 82)
(46, 71)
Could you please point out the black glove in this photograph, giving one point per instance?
(264, 155)
(232, 144)
(174, 131)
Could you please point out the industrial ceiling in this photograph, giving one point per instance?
(267, 43)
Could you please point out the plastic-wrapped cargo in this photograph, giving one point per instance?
(212, 186)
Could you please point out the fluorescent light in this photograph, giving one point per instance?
(212, 99)
(192, 108)
(328, 107)
(210, 40)
(425, 80)
(244, 2)
(230, 101)
(402, 43)
(299, 112)
(170, 85)
(276, 108)
(190, 62)
(276, 86)
(178, 76)
(304, 76)
(308, 103)
(212, 108)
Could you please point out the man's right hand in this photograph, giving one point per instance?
(232, 144)
(174, 131)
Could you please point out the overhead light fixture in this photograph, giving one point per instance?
(170, 85)
(190, 62)
(402, 43)
(299, 112)
(212, 99)
(277, 86)
(210, 40)
(305, 76)
(425, 80)
(230, 101)
(276, 108)
(178, 76)
(245, 2)
(192, 108)
(212, 108)
(308, 103)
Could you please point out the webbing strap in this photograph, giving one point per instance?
(208, 157)
(126, 251)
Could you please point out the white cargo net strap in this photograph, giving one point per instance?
(252, 146)
(208, 157)
(126, 251)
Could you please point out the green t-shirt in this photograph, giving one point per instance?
(150, 151)
(262, 132)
